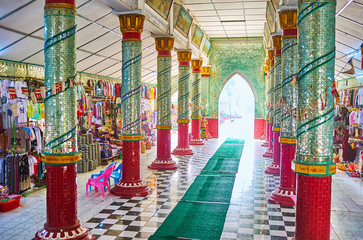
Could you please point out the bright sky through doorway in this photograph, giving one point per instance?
(236, 109)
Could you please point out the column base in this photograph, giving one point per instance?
(265, 144)
(78, 232)
(273, 169)
(182, 151)
(130, 189)
(196, 142)
(283, 196)
(268, 154)
(163, 164)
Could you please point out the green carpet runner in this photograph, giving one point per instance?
(201, 212)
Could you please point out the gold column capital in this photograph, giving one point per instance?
(184, 56)
(197, 63)
(276, 42)
(271, 55)
(288, 22)
(164, 43)
(267, 62)
(205, 71)
(131, 23)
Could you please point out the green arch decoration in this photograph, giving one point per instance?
(243, 56)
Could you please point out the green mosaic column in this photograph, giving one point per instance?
(270, 100)
(314, 151)
(205, 97)
(287, 188)
(163, 161)
(274, 167)
(205, 91)
(266, 73)
(61, 151)
(196, 102)
(184, 58)
(131, 183)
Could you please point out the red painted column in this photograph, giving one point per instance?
(287, 189)
(184, 58)
(183, 140)
(313, 208)
(260, 129)
(213, 126)
(131, 184)
(274, 167)
(196, 102)
(267, 142)
(164, 46)
(61, 158)
(196, 133)
(269, 151)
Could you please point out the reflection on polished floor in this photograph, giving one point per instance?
(250, 216)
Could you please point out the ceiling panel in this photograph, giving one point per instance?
(111, 21)
(90, 61)
(8, 37)
(100, 65)
(95, 10)
(8, 6)
(22, 49)
(255, 5)
(110, 69)
(231, 5)
(237, 18)
(37, 58)
(31, 18)
(199, 7)
(354, 12)
(101, 42)
(111, 50)
(88, 34)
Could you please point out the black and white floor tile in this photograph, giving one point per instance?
(250, 216)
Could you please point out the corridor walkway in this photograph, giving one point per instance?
(250, 216)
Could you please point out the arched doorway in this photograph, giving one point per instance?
(236, 109)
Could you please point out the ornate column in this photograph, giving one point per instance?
(205, 72)
(266, 69)
(196, 106)
(274, 167)
(270, 100)
(184, 58)
(131, 183)
(287, 189)
(163, 161)
(314, 150)
(61, 150)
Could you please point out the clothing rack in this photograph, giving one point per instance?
(15, 126)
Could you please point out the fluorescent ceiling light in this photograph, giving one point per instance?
(229, 21)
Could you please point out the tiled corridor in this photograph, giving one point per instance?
(250, 216)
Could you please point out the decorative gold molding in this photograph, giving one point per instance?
(267, 61)
(276, 42)
(60, 5)
(131, 23)
(184, 56)
(288, 19)
(61, 159)
(205, 71)
(271, 55)
(197, 63)
(164, 43)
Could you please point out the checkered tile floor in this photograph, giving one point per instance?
(250, 216)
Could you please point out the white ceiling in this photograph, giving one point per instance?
(99, 36)
(229, 18)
